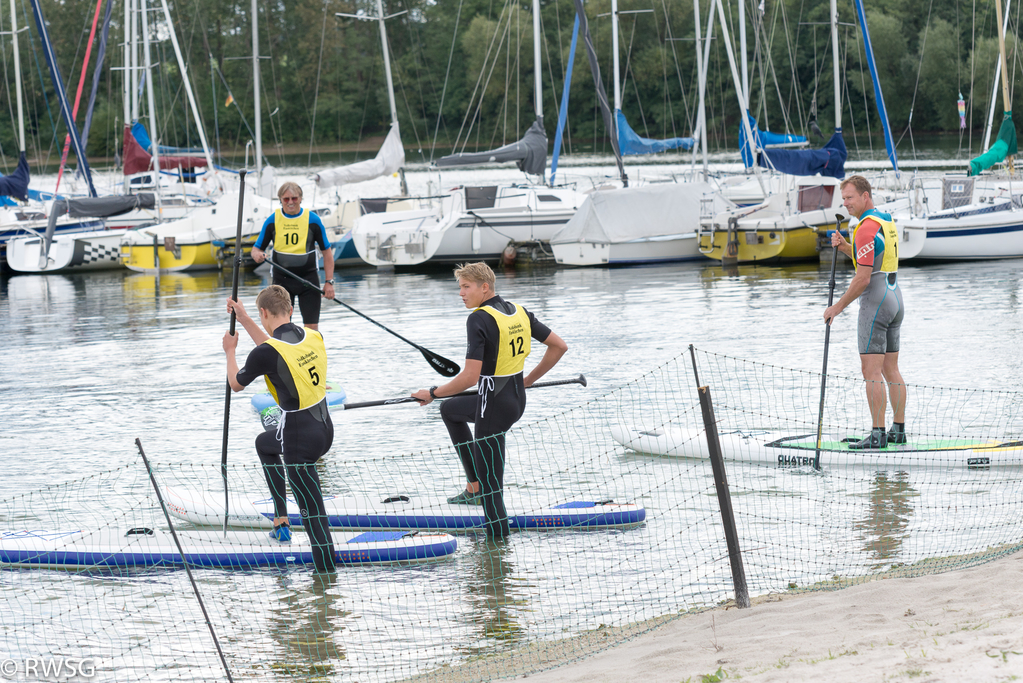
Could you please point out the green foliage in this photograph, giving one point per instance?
(478, 82)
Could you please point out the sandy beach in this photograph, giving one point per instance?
(964, 625)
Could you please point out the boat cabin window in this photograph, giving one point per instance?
(548, 198)
(815, 197)
(373, 205)
(480, 197)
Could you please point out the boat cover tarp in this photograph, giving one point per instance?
(91, 207)
(16, 184)
(1004, 146)
(529, 153)
(388, 160)
(631, 143)
(138, 131)
(765, 140)
(644, 211)
(828, 161)
(138, 160)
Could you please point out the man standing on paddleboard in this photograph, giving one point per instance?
(499, 334)
(295, 234)
(875, 284)
(294, 361)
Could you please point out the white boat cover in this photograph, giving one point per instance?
(389, 159)
(631, 213)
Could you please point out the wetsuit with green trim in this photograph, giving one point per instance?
(876, 246)
(294, 363)
(498, 335)
(295, 239)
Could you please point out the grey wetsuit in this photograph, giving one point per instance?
(881, 307)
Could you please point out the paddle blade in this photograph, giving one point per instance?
(440, 364)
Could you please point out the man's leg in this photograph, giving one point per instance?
(896, 386)
(268, 448)
(305, 484)
(457, 413)
(871, 364)
(489, 462)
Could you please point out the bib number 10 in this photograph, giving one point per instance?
(291, 239)
(516, 345)
(314, 376)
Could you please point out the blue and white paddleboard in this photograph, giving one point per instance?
(79, 549)
(270, 412)
(403, 512)
(787, 450)
(335, 396)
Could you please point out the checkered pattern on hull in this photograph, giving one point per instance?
(87, 253)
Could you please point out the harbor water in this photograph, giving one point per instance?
(95, 361)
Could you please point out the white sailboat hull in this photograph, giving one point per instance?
(972, 232)
(96, 250)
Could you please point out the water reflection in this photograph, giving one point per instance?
(888, 514)
(306, 622)
(493, 596)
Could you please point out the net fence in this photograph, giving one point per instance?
(618, 529)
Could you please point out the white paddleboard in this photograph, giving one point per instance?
(787, 450)
(401, 512)
(79, 549)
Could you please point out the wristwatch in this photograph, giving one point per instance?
(432, 390)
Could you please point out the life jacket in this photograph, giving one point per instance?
(307, 363)
(293, 241)
(514, 344)
(889, 233)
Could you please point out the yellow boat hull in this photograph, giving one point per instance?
(764, 246)
(184, 257)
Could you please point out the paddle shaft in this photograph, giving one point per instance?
(581, 379)
(439, 363)
(234, 295)
(824, 371)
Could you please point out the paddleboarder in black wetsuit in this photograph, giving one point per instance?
(876, 285)
(499, 334)
(296, 233)
(294, 362)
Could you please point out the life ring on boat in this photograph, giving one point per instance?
(212, 184)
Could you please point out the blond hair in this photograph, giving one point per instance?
(478, 272)
(859, 182)
(275, 300)
(289, 186)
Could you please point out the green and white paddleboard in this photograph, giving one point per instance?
(786, 450)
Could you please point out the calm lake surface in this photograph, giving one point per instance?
(95, 361)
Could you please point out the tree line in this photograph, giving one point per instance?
(463, 71)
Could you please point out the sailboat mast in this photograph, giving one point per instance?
(743, 106)
(743, 49)
(17, 77)
(255, 99)
(1006, 102)
(387, 62)
(134, 30)
(834, 58)
(151, 101)
(188, 86)
(538, 84)
(126, 81)
(994, 84)
(701, 76)
(614, 52)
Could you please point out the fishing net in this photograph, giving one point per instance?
(546, 595)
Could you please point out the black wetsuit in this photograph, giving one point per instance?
(303, 265)
(305, 436)
(493, 412)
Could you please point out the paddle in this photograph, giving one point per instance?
(581, 379)
(439, 363)
(234, 295)
(827, 341)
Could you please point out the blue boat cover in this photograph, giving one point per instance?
(764, 138)
(16, 184)
(631, 143)
(138, 131)
(828, 161)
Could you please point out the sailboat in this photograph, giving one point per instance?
(476, 222)
(981, 216)
(785, 226)
(646, 224)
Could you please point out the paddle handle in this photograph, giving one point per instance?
(581, 379)
(827, 342)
